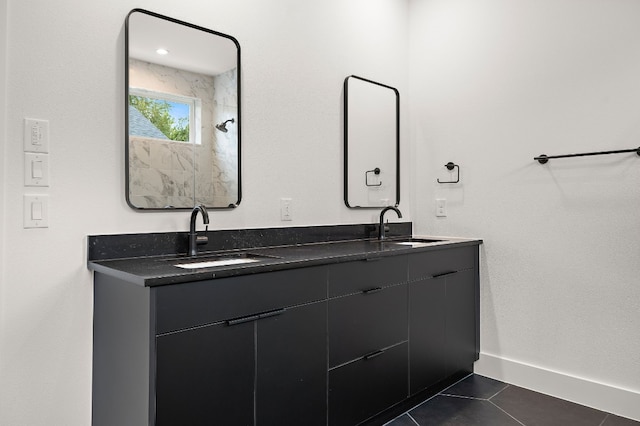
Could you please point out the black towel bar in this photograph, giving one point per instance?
(542, 159)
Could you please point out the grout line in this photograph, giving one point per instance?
(431, 397)
(491, 402)
(414, 420)
(506, 385)
(604, 420)
(462, 397)
(445, 389)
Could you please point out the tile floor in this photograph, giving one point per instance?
(478, 400)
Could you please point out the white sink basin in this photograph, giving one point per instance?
(413, 242)
(214, 263)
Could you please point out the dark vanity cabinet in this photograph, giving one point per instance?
(231, 351)
(332, 344)
(367, 338)
(208, 373)
(220, 337)
(443, 314)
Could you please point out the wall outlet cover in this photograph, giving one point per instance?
(36, 135)
(36, 211)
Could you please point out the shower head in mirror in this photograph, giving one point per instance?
(223, 126)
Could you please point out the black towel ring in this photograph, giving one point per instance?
(451, 166)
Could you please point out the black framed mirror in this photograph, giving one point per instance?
(183, 122)
(371, 144)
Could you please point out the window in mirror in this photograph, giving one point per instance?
(164, 116)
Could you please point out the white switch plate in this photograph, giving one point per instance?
(441, 207)
(285, 209)
(36, 135)
(36, 211)
(36, 169)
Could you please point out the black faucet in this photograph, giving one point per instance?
(194, 239)
(381, 227)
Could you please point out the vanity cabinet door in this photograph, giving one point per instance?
(364, 275)
(428, 353)
(443, 315)
(461, 320)
(368, 359)
(292, 367)
(368, 386)
(205, 376)
(363, 323)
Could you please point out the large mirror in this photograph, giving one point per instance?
(182, 114)
(371, 144)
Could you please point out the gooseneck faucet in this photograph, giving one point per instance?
(194, 239)
(381, 228)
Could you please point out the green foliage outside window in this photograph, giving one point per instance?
(159, 113)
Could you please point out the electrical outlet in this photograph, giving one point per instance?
(285, 209)
(441, 207)
(36, 135)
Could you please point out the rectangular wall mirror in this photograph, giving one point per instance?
(182, 114)
(371, 144)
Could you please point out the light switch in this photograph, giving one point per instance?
(36, 169)
(36, 211)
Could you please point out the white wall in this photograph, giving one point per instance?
(494, 83)
(3, 109)
(65, 64)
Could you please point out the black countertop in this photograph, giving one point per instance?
(160, 269)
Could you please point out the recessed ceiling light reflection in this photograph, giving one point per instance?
(162, 51)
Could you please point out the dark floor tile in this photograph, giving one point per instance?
(536, 409)
(403, 420)
(476, 386)
(613, 420)
(455, 411)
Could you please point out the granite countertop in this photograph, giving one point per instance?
(157, 270)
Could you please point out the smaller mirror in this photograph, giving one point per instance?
(371, 144)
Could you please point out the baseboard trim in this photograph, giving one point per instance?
(601, 396)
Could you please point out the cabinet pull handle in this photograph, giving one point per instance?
(372, 290)
(444, 274)
(373, 354)
(243, 320)
(255, 317)
(272, 313)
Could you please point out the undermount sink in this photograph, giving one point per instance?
(412, 242)
(218, 260)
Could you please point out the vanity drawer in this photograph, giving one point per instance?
(366, 387)
(197, 303)
(355, 277)
(433, 263)
(363, 323)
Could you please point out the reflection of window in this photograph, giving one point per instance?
(164, 116)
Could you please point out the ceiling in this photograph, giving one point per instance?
(190, 49)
